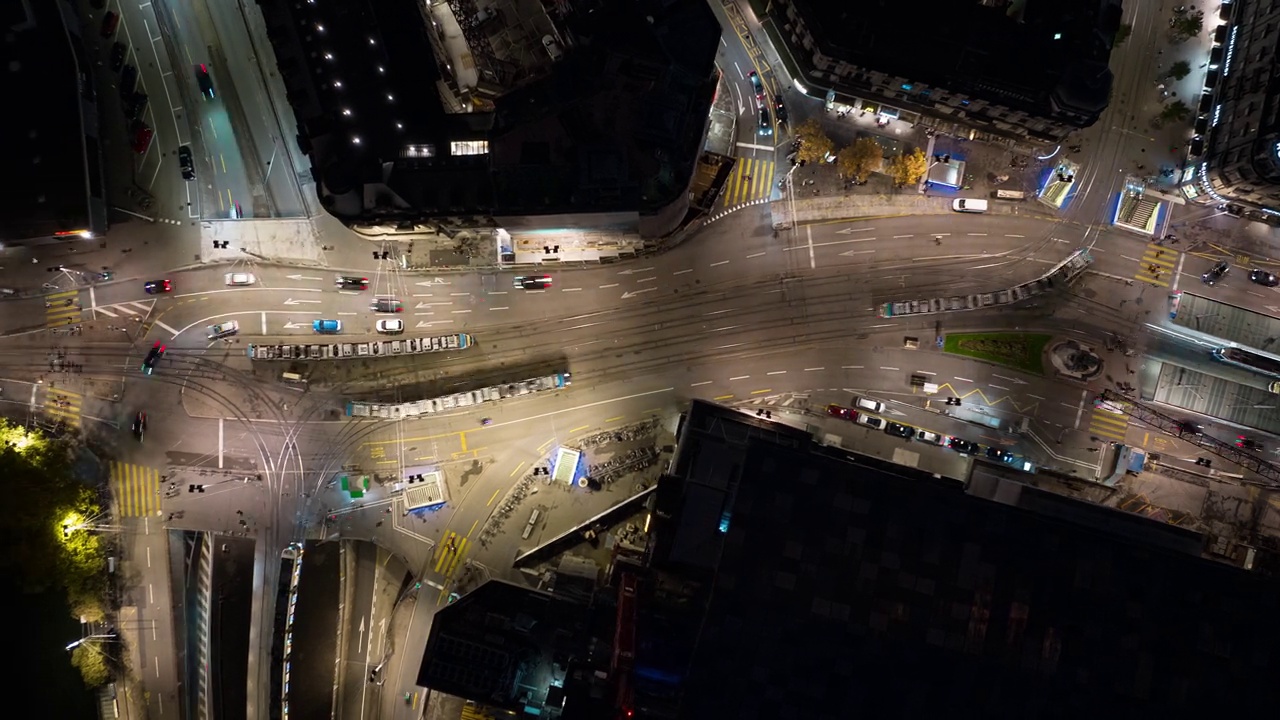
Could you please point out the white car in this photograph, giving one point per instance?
(932, 438)
(241, 279)
(868, 405)
(390, 327)
(223, 329)
(874, 423)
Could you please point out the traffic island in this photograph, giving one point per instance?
(1020, 351)
(1074, 360)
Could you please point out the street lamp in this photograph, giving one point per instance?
(74, 645)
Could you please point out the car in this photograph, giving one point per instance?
(969, 205)
(1274, 387)
(110, 22)
(186, 162)
(134, 105)
(532, 282)
(351, 282)
(139, 425)
(142, 134)
(156, 287)
(932, 438)
(905, 432)
(964, 447)
(870, 421)
(1262, 277)
(869, 405)
(390, 326)
(758, 87)
(1189, 427)
(386, 305)
(779, 109)
(843, 413)
(236, 212)
(117, 56)
(998, 454)
(766, 122)
(1216, 273)
(128, 80)
(1247, 443)
(240, 278)
(204, 80)
(327, 327)
(223, 329)
(153, 356)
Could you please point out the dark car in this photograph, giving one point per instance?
(351, 282)
(1215, 273)
(766, 122)
(110, 22)
(779, 109)
(117, 57)
(153, 357)
(186, 162)
(999, 455)
(843, 413)
(1262, 277)
(1189, 427)
(155, 287)
(386, 305)
(532, 282)
(128, 80)
(139, 425)
(964, 447)
(134, 105)
(204, 81)
(899, 430)
(758, 87)
(1246, 443)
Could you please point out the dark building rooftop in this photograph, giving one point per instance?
(836, 587)
(614, 127)
(1040, 56)
(50, 186)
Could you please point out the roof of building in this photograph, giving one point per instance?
(1033, 55)
(614, 126)
(45, 153)
(837, 584)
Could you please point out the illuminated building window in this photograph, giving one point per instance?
(469, 147)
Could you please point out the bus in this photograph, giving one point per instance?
(1249, 360)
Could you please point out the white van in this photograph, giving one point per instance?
(869, 405)
(969, 205)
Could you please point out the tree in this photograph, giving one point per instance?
(1188, 25)
(1176, 110)
(908, 168)
(1122, 34)
(1179, 70)
(860, 159)
(92, 664)
(814, 143)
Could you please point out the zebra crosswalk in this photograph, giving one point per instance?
(450, 550)
(1157, 265)
(62, 308)
(1108, 422)
(136, 489)
(136, 309)
(749, 180)
(63, 406)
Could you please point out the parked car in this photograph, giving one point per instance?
(390, 326)
(964, 447)
(1216, 273)
(1262, 277)
(869, 405)
(843, 413)
(186, 162)
(155, 287)
(758, 87)
(899, 430)
(327, 327)
(110, 22)
(766, 122)
(117, 56)
(999, 454)
(142, 134)
(870, 421)
(779, 109)
(223, 329)
(134, 105)
(128, 80)
(932, 438)
(204, 80)
(240, 278)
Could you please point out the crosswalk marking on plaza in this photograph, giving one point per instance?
(452, 548)
(1156, 266)
(1108, 424)
(63, 405)
(136, 488)
(61, 308)
(129, 309)
(750, 179)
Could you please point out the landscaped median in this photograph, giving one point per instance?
(1021, 351)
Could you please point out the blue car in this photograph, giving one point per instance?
(327, 327)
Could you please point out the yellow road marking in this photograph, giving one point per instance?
(761, 392)
(473, 526)
(615, 419)
(494, 496)
(513, 472)
(722, 397)
(543, 447)
(578, 429)
(463, 437)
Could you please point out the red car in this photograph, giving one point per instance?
(843, 413)
(109, 23)
(142, 138)
(158, 286)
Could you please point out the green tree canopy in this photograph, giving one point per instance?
(1188, 25)
(1179, 70)
(92, 664)
(814, 143)
(1122, 33)
(1176, 110)
(860, 159)
(908, 168)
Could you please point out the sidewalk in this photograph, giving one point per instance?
(905, 202)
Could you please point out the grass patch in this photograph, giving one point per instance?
(1021, 351)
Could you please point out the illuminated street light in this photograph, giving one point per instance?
(77, 643)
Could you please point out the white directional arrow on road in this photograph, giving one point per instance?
(850, 230)
(433, 281)
(626, 295)
(294, 326)
(895, 413)
(1012, 380)
(427, 304)
(633, 272)
(360, 639)
(851, 253)
(303, 277)
(291, 301)
(421, 325)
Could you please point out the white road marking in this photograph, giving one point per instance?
(602, 287)
(882, 367)
(726, 327)
(504, 307)
(570, 289)
(808, 232)
(264, 323)
(166, 327)
(459, 312)
(1080, 409)
(895, 237)
(717, 312)
(814, 369)
(1001, 387)
(755, 255)
(497, 292)
(925, 372)
(1035, 396)
(1015, 236)
(726, 347)
(850, 367)
(833, 242)
(700, 384)
(962, 379)
(976, 234)
(777, 372)
(648, 279)
(722, 262)
(740, 377)
(220, 443)
(681, 272)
